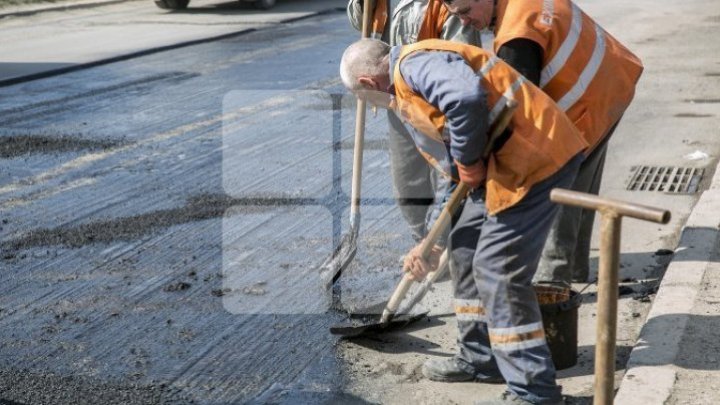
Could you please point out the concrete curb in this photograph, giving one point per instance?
(651, 373)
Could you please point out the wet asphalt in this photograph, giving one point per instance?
(162, 220)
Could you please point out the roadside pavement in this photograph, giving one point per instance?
(23, 10)
(676, 359)
(120, 30)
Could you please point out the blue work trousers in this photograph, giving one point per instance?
(566, 255)
(493, 262)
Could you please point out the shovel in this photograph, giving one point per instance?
(388, 320)
(345, 251)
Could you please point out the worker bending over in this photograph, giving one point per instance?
(403, 22)
(450, 94)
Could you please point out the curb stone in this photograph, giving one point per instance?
(651, 373)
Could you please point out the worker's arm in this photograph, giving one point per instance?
(525, 56)
(355, 13)
(454, 30)
(447, 82)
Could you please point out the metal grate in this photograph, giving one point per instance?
(665, 179)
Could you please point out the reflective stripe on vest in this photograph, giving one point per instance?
(562, 55)
(543, 139)
(506, 96)
(590, 74)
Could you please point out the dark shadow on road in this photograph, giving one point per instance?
(15, 69)
(401, 341)
(586, 361)
(300, 395)
(577, 400)
(700, 343)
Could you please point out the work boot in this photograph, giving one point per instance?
(448, 370)
(508, 397)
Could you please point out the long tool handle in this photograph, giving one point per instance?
(443, 221)
(368, 8)
(612, 212)
(440, 225)
(430, 279)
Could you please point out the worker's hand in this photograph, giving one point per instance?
(473, 175)
(417, 267)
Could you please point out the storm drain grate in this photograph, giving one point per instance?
(667, 179)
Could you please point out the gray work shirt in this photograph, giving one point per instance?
(445, 80)
(404, 20)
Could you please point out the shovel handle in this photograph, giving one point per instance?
(440, 225)
(431, 278)
(368, 9)
(443, 221)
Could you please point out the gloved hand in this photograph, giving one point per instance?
(473, 175)
(419, 268)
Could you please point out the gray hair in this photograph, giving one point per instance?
(363, 58)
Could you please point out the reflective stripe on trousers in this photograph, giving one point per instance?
(493, 262)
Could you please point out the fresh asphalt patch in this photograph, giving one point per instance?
(198, 208)
(24, 387)
(12, 146)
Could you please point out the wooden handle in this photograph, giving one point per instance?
(396, 298)
(360, 114)
(431, 278)
(368, 10)
(440, 226)
(621, 208)
(443, 221)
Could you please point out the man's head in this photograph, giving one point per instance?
(364, 70)
(477, 13)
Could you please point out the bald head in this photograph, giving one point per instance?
(364, 58)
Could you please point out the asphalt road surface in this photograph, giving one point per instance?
(162, 223)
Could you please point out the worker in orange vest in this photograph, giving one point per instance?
(450, 94)
(402, 22)
(590, 75)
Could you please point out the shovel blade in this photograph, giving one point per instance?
(373, 326)
(333, 267)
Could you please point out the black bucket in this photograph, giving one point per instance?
(559, 308)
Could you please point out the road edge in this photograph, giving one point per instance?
(651, 373)
(87, 65)
(32, 9)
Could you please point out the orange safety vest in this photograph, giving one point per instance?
(542, 141)
(431, 27)
(586, 71)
